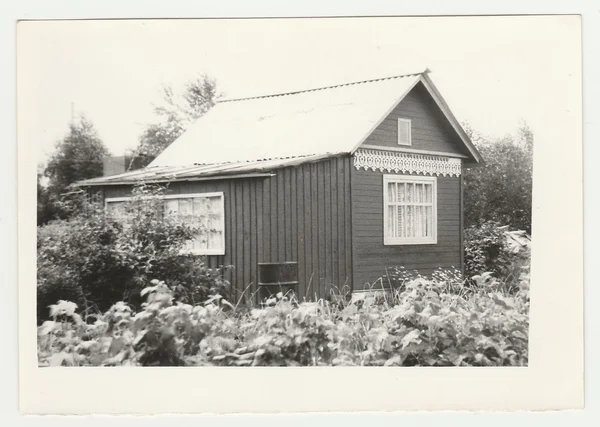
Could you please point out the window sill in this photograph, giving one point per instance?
(409, 242)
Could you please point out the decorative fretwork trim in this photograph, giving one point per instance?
(390, 161)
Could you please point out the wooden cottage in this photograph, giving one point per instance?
(321, 187)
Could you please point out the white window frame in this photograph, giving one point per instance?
(409, 121)
(220, 251)
(431, 240)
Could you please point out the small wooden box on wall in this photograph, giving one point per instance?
(275, 277)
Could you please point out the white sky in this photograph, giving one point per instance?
(492, 71)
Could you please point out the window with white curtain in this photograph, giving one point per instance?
(409, 215)
(203, 210)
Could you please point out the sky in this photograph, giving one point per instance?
(493, 71)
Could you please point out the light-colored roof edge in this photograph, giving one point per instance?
(230, 170)
(441, 103)
(295, 92)
(443, 106)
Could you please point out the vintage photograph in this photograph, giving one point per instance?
(283, 192)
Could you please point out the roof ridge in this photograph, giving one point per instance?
(273, 95)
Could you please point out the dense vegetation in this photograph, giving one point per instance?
(95, 259)
(97, 274)
(501, 190)
(77, 156)
(424, 322)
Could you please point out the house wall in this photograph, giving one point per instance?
(301, 214)
(430, 132)
(430, 129)
(371, 257)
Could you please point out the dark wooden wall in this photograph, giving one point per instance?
(430, 132)
(371, 257)
(430, 129)
(301, 214)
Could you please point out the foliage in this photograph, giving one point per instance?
(501, 190)
(177, 113)
(487, 250)
(397, 277)
(47, 203)
(96, 259)
(427, 323)
(77, 156)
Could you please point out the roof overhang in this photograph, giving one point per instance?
(211, 172)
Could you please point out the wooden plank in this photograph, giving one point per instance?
(349, 219)
(258, 188)
(246, 234)
(308, 235)
(274, 220)
(335, 262)
(344, 247)
(301, 239)
(281, 216)
(227, 259)
(287, 213)
(239, 232)
(327, 223)
(293, 215)
(321, 225)
(316, 256)
(266, 239)
(253, 237)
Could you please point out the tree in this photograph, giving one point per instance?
(46, 209)
(501, 190)
(77, 156)
(177, 113)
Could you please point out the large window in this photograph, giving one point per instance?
(409, 214)
(205, 211)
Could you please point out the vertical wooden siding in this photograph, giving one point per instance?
(430, 132)
(301, 214)
(309, 210)
(371, 257)
(430, 129)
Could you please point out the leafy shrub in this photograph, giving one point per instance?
(487, 250)
(427, 323)
(397, 277)
(96, 259)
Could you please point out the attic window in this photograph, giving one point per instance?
(404, 132)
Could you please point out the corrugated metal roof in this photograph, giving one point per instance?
(250, 135)
(329, 120)
(157, 174)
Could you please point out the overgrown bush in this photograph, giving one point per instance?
(397, 277)
(95, 258)
(427, 323)
(487, 250)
